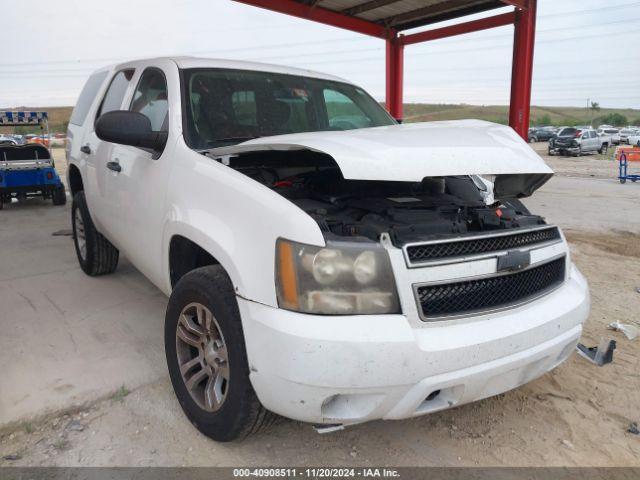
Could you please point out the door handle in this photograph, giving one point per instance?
(86, 149)
(115, 166)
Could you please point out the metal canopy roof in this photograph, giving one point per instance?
(405, 14)
(386, 19)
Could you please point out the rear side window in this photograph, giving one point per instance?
(150, 98)
(86, 97)
(115, 93)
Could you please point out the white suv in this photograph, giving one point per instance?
(322, 262)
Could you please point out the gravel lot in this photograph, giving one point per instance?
(577, 415)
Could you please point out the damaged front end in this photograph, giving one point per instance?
(435, 207)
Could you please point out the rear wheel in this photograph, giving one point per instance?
(96, 255)
(59, 196)
(207, 359)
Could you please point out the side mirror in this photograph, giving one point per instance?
(129, 128)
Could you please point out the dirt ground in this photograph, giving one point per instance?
(577, 415)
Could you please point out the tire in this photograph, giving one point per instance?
(96, 255)
(623, 180)
(579, 152)
(550, 152)
(237, 412)
(59, 196)
(603, 149)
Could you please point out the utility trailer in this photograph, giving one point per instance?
(28, 170)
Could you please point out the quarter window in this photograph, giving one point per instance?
(150, 99)
(85, 100)
(115, 93)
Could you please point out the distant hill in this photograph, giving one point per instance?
(421, 112)
(425, 112)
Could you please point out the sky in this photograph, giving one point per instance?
(585, 49)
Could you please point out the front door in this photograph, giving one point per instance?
(138, 189)
(100, 195)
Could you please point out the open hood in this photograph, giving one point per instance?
(410, 152)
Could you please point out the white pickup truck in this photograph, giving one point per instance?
(322, 262)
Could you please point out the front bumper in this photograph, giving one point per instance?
(351, 369)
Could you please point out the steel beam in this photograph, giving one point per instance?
(460, 28)
(522, 69)
(521, 4)
(323, 15)
(366, 6)
(394, 77)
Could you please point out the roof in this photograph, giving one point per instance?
(405, 14)
(22, 118)
(197, 62)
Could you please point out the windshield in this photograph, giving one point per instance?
(225, 107)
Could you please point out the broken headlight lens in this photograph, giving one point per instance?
(343, 278)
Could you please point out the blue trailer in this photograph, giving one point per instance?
(28, 170)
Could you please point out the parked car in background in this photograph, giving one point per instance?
(575, 141)
(552, 150)
(611, 132)
(41, 139)
(323, 271)
(7, 140)
(541, 134)
(625, 132)
(634, 139)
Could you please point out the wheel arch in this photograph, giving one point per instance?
(74, 179)
(186, 255)
(188, 248)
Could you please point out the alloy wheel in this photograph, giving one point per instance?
(202, 357)
(81, 236)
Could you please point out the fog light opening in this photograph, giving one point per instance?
(432, 396)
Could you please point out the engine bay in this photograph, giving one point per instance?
(437, 207)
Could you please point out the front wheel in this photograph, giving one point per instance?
(207, 359)
(96, 255)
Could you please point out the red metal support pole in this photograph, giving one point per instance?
(522, 68)
(394, 74)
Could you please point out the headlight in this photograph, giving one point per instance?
(343, 278)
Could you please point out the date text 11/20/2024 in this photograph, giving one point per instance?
(316, 472)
